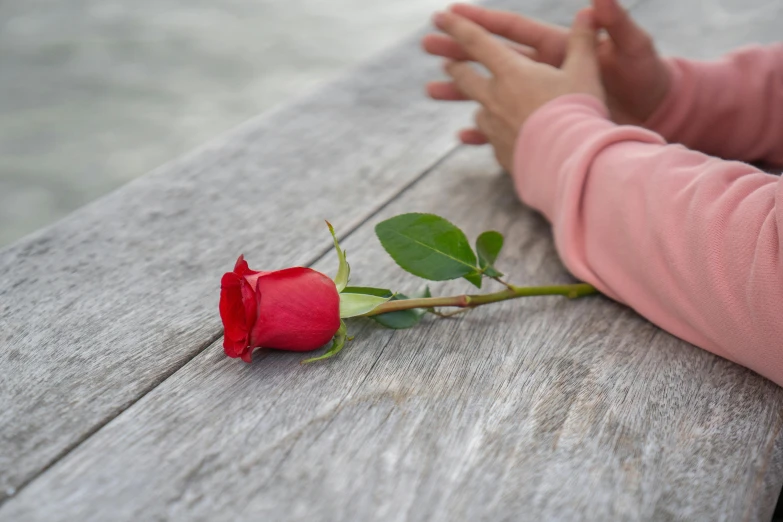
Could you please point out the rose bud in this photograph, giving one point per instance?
(295, 309)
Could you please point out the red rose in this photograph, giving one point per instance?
(296, 309)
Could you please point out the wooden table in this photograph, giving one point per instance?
(116, 402)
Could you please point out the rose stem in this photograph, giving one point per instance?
(471, 301)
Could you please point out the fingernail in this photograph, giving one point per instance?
(438, 17)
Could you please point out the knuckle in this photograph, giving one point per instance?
(454, 70)
(470, 39)
(506, 62)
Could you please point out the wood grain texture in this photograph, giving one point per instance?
(538, 409)
(582, 410)
(709, 28)
(101, 307)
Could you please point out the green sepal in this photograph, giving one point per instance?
(368, 290)
(344, 270)
(338, 342)
(403, 318)
(352, 305)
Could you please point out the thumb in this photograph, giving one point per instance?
(581, 59)
(629, 37)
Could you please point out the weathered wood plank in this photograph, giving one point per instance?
(539, 409)
(101, 307)
(710, 28)
(33, 421)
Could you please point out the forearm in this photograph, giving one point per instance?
(731, 108)
(689, 241)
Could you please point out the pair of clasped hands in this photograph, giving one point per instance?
(604, 54)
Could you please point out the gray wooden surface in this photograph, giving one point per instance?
(116, 402)
(101, 307)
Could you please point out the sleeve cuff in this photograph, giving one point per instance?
(553, 159)
(538, 155)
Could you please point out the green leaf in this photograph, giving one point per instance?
(488, 246)
(368, 290)
(344, 270)
(352, 305)
(427, 246)
(337, 344)
(474, 278)
(403, 318)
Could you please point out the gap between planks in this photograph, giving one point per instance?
(351, 228)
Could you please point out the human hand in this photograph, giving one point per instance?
(633, 74)
(517, 85)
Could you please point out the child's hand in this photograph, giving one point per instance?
(518, 85)
(634, 76)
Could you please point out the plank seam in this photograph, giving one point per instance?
(203, 346)
(209, 342)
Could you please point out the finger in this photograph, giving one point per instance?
(477, 42)
(446, 91)
(581, 58)
(482, 121)
(626, 34)
(469, 81)
(445, 46)
(472, 137)
(516, 28)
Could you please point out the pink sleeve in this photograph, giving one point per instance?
(731, 108)
(687, 240)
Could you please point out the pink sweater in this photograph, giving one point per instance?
(689, 241)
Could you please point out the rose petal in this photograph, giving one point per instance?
(232, 309)
(241, 267)
(298, 310)
(234, 348)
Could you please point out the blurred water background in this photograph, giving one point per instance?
(94, 93)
